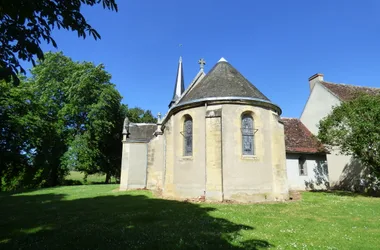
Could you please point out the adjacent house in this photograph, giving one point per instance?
(344, 171)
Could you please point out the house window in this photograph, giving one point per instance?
(188, 136)
(247, 134)
(302, 166)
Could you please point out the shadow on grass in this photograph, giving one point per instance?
(114, 222)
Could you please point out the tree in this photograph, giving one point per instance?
(139, 115)
(353, 128)
(67, 115)
(83, 107)
(18, 124)
(24, 24)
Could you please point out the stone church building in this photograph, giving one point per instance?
(221, 139)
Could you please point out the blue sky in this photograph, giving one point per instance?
(276, 45)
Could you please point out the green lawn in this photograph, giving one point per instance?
(76, 178)
(97, 217)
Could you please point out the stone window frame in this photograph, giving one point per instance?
(302, 166)
(247, 133)
(188, 133)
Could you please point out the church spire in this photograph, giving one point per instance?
(179, 86)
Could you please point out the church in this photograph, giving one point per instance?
(221, 140)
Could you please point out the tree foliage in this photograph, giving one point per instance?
(139, 115)
(18, 125)
(24, 24)
(353, 128)
(67, 115)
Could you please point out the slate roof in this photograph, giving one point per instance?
(346, 92)
(223, 80)
(141, 132)
(298, 139)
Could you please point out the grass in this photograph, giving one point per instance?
(76, 178)
(97, 217)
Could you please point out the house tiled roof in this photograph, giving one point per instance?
(223, 80)
(298, 139)
(347, 92)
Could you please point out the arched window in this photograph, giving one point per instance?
(188, 136)
(247, 131)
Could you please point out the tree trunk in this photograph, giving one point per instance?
(108, 178)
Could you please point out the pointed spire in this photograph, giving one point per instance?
(222, 60)
(179, 83)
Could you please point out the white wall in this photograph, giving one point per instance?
(318, 106)
(134, 166)
(315, 175)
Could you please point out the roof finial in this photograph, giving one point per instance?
(202, 63)
(159, 117)
(180, 51)
(222, 60)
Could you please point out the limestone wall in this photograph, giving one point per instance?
(185, 175)
(156, 163)
(280, 180)
(248, 178)
(217, 169)
(214, 168)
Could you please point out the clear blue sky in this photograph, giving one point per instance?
(276, 45)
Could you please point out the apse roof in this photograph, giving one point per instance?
(223, 80)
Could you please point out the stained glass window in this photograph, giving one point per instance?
(188, 135)
(247, 135)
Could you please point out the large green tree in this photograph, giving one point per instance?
(67, 115)
(353, 128)
(24, 24)
(86, 114)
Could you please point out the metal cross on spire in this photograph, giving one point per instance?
(202, 63)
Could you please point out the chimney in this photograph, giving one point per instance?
(315, 78)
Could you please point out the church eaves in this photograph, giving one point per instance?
(223, 80)
(179, 86)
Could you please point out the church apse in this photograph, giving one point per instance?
(220, 140)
